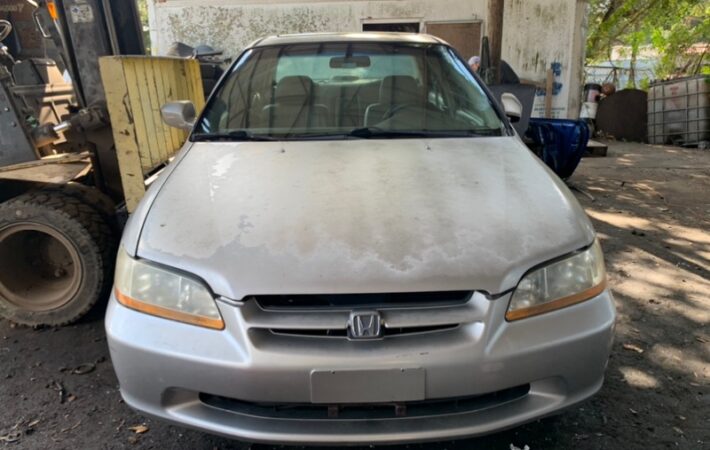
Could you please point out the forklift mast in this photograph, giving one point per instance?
(63, 195)
(82, 31)
(89, 29)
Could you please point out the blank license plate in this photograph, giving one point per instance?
(367, 386)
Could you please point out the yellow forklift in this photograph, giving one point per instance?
(75, 157)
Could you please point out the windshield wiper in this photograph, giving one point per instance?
(236, 135)
(360, 133)
(376, 132)
(485, 132)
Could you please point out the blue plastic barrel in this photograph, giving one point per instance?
(560, 143)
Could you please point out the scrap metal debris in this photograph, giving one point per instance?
(18, 430)
(59, 387)
(11, 437)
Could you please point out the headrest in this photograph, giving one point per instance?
(400, 89)
(293, 88)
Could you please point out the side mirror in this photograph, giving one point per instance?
(180, 114)
(512, 106)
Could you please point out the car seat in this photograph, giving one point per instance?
(294, 106)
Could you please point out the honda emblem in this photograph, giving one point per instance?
(364, 325)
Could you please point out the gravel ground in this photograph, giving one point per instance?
(651, 207)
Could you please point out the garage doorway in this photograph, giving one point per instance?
(397, 27)
(465, 37)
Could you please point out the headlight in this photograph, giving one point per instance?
(159, 292)
(562, 283)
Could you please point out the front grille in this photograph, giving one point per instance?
(311, 411)
(342, 333)
(349, 301)
(328, 316)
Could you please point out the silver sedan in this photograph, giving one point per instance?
(354, 246)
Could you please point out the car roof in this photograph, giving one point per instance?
(366, 36)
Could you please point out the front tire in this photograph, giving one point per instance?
(56, 258)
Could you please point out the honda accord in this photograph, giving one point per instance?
(355, 246)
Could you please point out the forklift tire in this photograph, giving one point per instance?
(56, 258)
(92, 197)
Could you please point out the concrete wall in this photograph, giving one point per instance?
(537, 33)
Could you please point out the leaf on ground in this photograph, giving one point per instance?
(139, 429)
(513, 447)
(633, 348)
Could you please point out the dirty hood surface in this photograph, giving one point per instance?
(361, 216)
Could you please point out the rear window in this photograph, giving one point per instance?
(318, 67)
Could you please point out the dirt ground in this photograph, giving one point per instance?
(651, 207)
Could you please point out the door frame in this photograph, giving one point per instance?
(455, 22)
(370, 20)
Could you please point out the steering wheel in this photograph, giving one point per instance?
(5, 29)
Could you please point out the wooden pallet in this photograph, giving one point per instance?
(136, 88)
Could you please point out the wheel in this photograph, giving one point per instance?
(56, 258)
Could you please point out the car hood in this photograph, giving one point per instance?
(361, 216)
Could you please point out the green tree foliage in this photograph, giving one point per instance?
(671, 27)
(143, 13)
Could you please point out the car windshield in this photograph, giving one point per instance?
(348, 90)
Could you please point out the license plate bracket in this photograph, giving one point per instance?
(368, 386)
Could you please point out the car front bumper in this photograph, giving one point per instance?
(166, 369)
